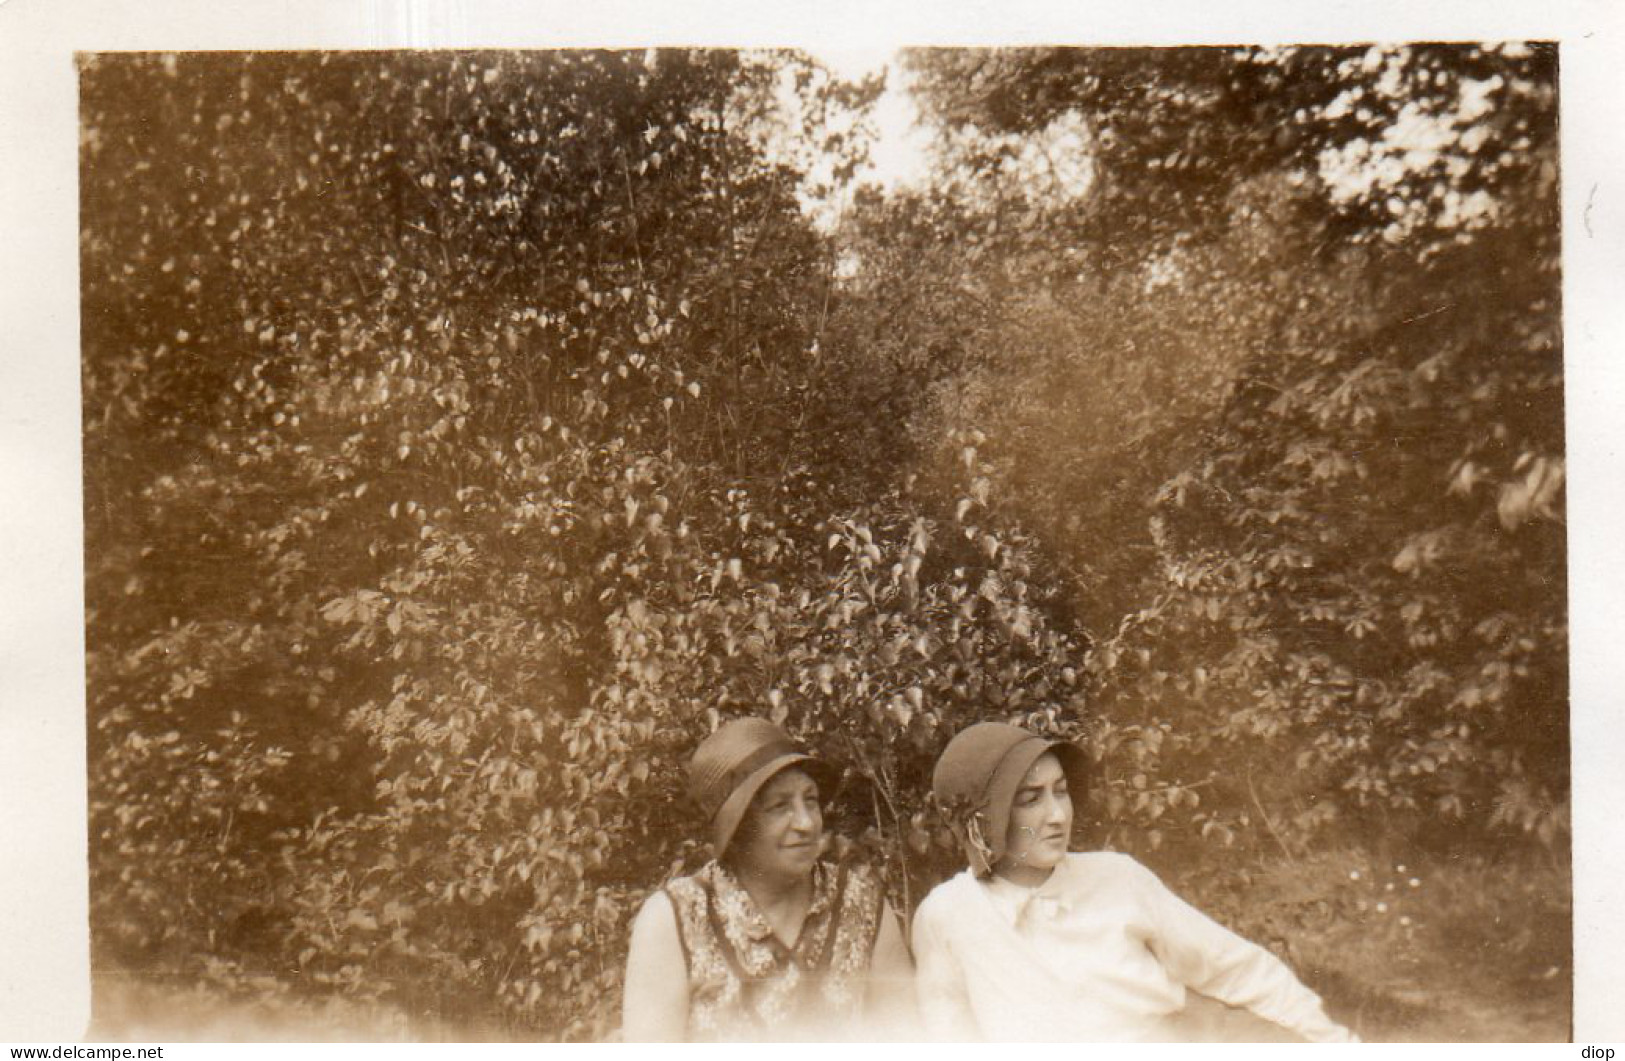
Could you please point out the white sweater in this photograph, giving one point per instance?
(1101, 952)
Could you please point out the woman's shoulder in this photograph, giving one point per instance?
(857, 871)
(656, 918)
(1115, 862)
(1099, 866)
(857, 881)
(1109, 867)
(941, 901)
(688, 888)
(1100, 858)
(688, 880)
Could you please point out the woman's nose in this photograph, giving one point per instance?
(1058, 808)
(806, 817)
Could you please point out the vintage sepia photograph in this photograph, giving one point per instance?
(537, 523)
(962, 543)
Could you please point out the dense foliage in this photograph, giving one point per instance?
(1331, 468)
(465, 434)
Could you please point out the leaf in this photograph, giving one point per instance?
(362, 920)
(339, 609)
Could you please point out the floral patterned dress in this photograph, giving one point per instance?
(744, 983)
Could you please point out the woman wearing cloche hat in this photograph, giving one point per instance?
(768, 940)
(1034, 941)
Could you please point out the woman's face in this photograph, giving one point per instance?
(1040, 818)
(783, 831)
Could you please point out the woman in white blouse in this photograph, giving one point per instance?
(1035, 942)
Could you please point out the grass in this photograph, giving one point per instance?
(1454, 950)
(1457, 950)
(128, 1007)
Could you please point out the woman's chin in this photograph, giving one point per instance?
(800, 857)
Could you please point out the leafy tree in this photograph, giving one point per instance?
(1302, 367)
(459, 449)
(379, 352)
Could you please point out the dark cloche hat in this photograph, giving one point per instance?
(731, 766)
(981, 769)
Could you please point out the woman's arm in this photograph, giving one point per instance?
(889, 1001)
(939, 982)
(655, 1009)
(1207, 957)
